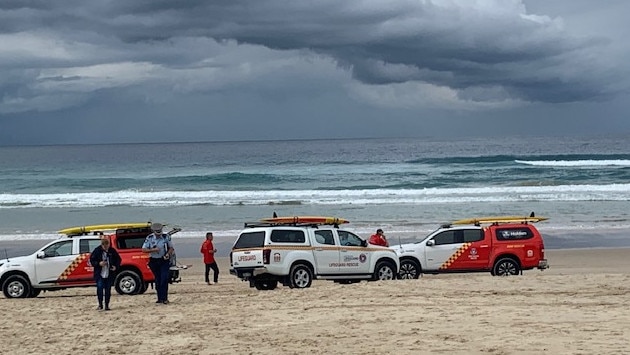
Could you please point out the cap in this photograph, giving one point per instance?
(156, 227)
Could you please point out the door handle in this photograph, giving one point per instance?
(343, 250)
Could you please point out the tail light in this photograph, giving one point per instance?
(231, 262)
(542, 250)
(266, 256)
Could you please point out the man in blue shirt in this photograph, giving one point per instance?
(160, 249)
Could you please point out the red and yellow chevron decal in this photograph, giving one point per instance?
(455, 256)
(75, 263)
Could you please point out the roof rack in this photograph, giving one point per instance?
(270, 224)
(83, 230)
(495, 220)
(108, 232)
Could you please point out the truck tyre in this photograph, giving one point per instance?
(384, 270)
(16, 286)
(506, 267)
(265, 285)
(143, 289)
(300, 276)
(128, 283)
(409, 269)
(34, 292)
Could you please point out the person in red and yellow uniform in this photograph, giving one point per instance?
(379, 238)
(208, 250)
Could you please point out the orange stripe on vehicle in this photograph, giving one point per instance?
(297, 247)
(70, 269)
(455, 256)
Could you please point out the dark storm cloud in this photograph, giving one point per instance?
(480, 51)
(454, 44)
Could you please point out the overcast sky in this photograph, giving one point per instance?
(156, 70)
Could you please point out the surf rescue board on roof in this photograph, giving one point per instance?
(321, 220)
(102, 227)
(500, 219)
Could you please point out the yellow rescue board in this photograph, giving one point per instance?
(305, 220)
(102, 227)
(500, 219)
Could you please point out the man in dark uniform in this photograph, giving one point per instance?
(160, 249)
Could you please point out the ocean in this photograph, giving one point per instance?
(406, 186)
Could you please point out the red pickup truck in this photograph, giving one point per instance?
(503, 246)
(64, 263)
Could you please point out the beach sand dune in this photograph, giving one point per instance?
(579, 306)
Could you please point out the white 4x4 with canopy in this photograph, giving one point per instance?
(295, 250)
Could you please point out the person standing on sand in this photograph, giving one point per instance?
(106, 262)
(379, 238)
(208, 250)
(160, 249)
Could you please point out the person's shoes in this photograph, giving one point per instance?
(159, 301)
(107, 308)
(166, 302)
(210, 283)
(100, 308)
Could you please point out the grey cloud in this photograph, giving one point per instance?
(483, 51)
(462, 45)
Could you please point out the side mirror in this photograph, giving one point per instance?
(430, 243)
(40, 255)
(364, 243)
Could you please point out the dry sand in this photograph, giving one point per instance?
(578, 306)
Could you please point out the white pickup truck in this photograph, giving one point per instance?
(294, 255)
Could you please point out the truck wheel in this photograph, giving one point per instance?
(16, 286)
(409, 269)
(300, 276)
(384, 271)
(128, 283)
(505, 267)
(265, 285)
(143, 289)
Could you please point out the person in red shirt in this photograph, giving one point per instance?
(208, 250)
(379, 238)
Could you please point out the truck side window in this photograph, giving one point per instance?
(87, 245)
(59, 249)
(130, 242)
(473, 235)
(287, 236)
(514, 234)
(324, 237)
(349, 239)
(458, 236)
(446, 237)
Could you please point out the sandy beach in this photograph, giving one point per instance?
(578, 306)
